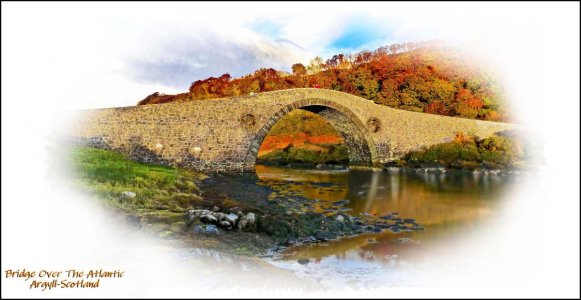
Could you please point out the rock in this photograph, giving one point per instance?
(409, 221)
(198, 212)
(404, 240)
(195, 213)
(215, 209)
(303, 261)
(130, 195)
(246, 222)
(235, 210)
(207, 218)
(340, 218)
(342, 202)
(232, 218)
(206, 229)
(310, 239)
(219, 216)
(226, 224)
(320, 166)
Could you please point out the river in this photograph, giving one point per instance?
(448, 205)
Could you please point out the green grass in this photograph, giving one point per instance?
(467, 152)
(337, 154)
(108, 174)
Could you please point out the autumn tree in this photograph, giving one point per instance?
(416, 76)
(316, 65)
(299, 69)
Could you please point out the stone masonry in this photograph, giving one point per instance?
(224, 135)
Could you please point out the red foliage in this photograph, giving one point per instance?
(407, 76)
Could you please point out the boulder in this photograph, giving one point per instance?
(219, 216)
(226, 224)
(206, 229)
(340, 218)
(194, 214)
(208, 218)
(215, 209)
(246, 222)
(130, 195)
(232, 218)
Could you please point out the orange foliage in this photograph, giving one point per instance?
(299, 139)
(410, 76)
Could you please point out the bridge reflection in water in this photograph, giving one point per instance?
(446, 204)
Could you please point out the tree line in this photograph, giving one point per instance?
(422, 77)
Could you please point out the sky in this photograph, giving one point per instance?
(117, 54)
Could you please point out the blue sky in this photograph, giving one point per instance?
(359, 33)
(258, 42)
(165, 47)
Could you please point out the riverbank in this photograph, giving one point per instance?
(207, 211)
(242, 214)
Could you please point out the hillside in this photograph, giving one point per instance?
(304, 137)
(420, 77)
(436, 80)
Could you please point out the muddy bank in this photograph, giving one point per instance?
(287, 220)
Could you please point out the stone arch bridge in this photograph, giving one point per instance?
(224, 135)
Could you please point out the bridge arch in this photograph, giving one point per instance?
(360, 145)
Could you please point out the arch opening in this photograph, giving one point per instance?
(354, 134)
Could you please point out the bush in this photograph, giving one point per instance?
(467, 152)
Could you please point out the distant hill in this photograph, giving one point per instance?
(413, 76)
(302, 136)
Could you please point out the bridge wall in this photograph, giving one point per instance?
(219, 135)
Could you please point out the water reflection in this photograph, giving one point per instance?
(446, 204)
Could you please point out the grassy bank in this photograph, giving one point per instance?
(328, 154)
(157, 197)
(151, 193)
(469, 152)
